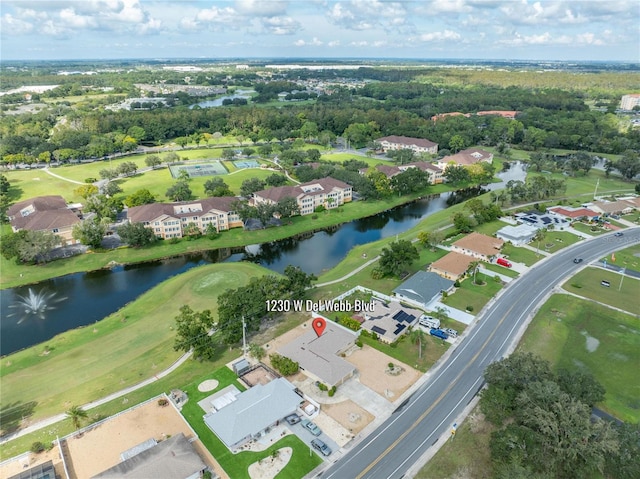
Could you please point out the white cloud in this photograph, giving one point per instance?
(446, 35)
(11, 25)
(281, 25)
(70, 18)
(334, 43)
(367, 14)
(303, 43)
(261, 8)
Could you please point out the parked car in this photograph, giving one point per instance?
(321, 446)
(577, 260)
(452, 333)
(504, 262)
(311, 427)
(618, 233)
(292, 419)
(438, 333)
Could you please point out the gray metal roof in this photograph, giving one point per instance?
(253, 411)
(319, 355)
(173, 458)
(423, 286)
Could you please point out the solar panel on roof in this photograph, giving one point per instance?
(378, 330)
(399, 329)
(410, 318)
(395, 316)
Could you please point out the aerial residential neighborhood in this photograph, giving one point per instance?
(351, 241)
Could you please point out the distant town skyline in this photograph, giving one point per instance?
(591, 30)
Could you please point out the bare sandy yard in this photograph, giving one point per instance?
(350, 416)
(371, 365)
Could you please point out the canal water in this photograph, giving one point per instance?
(33, 314)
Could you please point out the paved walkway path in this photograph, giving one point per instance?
(59, 417)
(49, 172)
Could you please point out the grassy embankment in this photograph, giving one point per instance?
(130, 345)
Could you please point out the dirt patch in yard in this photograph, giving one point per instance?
(371, 365)
(350, 416)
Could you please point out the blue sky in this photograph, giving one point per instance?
(474, 29)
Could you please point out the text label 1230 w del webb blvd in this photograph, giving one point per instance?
(299, 305)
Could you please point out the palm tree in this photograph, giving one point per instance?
(540, 235)
(416, 336)
(473, 267)
(440, 313)
(76, 414)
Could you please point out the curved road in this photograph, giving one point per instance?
(428, 415)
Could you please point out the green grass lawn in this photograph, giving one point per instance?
(132, 344)
(587, 283)
(628, 257)
(559, 333)
(406, 351)
(585, 185)
(520, 255)
(342, 157)
(470, 294)
(501, 269)
(593, 229)
(236, 465)
(490, 228)
(556, 240)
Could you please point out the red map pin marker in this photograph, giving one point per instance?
(318, 326)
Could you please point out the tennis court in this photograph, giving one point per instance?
(246, 164)
(202, 169)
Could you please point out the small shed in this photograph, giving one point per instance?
(241, 367)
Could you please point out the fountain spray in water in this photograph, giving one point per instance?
(35, 304)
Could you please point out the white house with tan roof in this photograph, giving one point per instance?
(168, 220)
(467, 157)
(478, 246)
(45, 213)
(327, 192)
(435, 173)
(452, 266)
(417, 145)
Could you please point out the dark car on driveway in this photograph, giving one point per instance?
(321, 446)
(292, 419)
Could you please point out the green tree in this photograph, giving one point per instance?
(228, 153)
(297, 282)
(179, 191)
(456, 143)
(141, 197)
(276, 180)
(287, 207)
(250, 186)
(463, 223)
(629, 164)
(457, 174)
(103, 207)
(111, 188)
(217, 187)
(410, 181)
(153, 161)
(90, 232)
(86, 191)
(194, 332)
(77, 415)
(136, 235)
(431, 239)
(395, 259)
(191, 230)
(257, 351)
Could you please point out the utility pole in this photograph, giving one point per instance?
(595, 192)
(621, 278)
(244, 339)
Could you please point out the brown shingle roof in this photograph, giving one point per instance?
(467, 157)
(40, 203)
(46, 220)
(453, 263)
(479, 243)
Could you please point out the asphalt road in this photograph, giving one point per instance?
(428, 415)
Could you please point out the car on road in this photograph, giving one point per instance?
(311, 427)
(321, 446)
(577, 260)
(292, 419)
(618, 233)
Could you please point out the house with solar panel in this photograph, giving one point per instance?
(542, 220)
(423, 288)
(390, 320)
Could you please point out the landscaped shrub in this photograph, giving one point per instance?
(314, 217)
(390, 365)
(162, 402)
(37, 447)
(90, 180)
(332, 391)
(284, 365)
(469, 308)
(456, 284)
(377, 273)
(359, 343)
(174, 240)
(322, 387)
